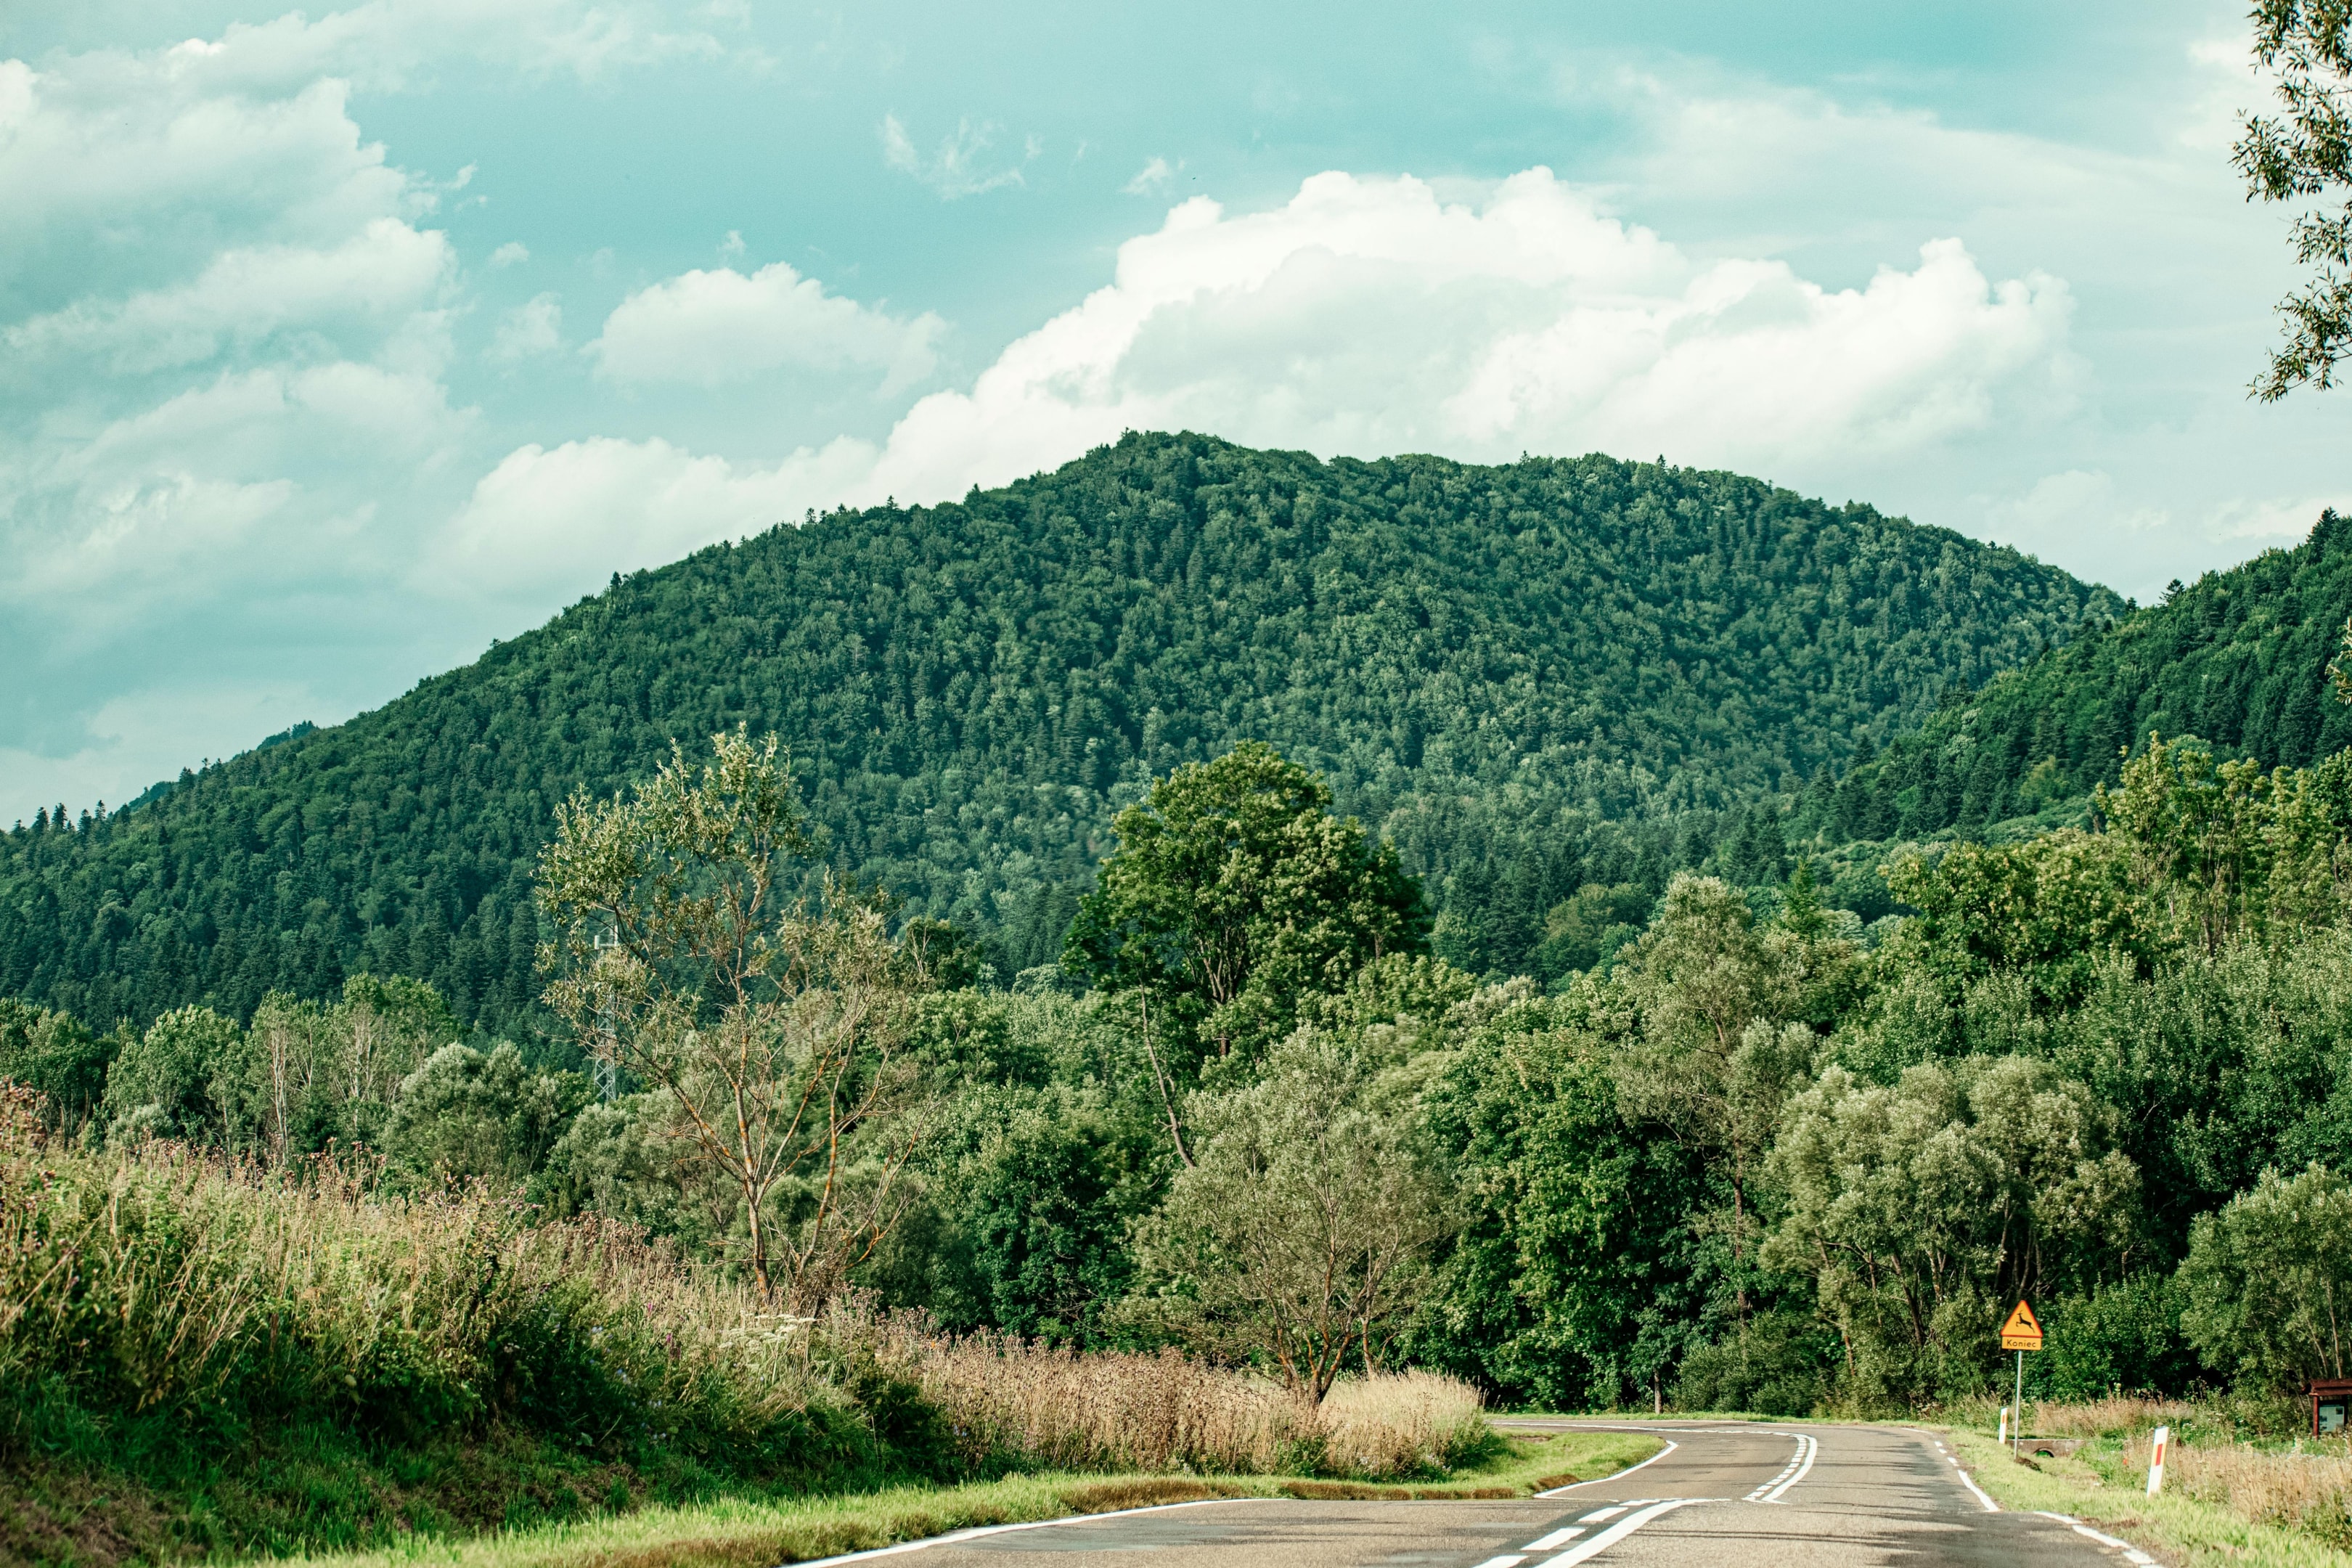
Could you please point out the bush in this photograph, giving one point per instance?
(467, 1114)
(2121, 1337)
(1780, 1366)
(2269, 1280)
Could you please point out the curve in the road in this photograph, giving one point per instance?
(1819, 1496)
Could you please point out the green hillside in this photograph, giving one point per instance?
(1487, 662)
(2237, 659)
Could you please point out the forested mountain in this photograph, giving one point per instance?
(1484, 662)
(2240, 659)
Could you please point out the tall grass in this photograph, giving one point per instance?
(2306, 1486)
(1053, 1408)
(2237, 1452)
(240, 1359)
(160, 1283)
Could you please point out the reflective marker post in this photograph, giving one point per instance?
(2155, 1460)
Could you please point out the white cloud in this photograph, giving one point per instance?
(530, 329)
(512, 253)
(1368, 316)
(1364, 316)
(373, 280)
(561, 518)
(1153, 176)
(119, 173)
(720, 326)
(960, 168)
(262, 475)
(2274, 520)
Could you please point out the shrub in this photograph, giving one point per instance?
(2269, 1280)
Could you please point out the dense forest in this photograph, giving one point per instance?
(1751, 1160)
(1201, 909)
(2241, 659)
(1492, 665)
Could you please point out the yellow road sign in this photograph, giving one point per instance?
(2023, 1331)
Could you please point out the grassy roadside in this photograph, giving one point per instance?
(2179, 1531)
(761, 1534)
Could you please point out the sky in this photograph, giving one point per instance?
(337, 343)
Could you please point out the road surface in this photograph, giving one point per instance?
(1728, 1495)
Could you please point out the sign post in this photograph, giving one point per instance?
(2020, 1333)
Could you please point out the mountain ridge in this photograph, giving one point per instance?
(971, 690)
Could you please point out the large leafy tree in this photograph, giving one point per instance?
(2304, 155)
(773, 1030)
(1234, 892)
(2270, 1280)
(1298, 1238)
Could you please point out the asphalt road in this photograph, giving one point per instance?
(1734, 1494)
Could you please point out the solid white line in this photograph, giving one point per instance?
(1618, 1531)
(976, 1531)
(1555, 1541)
(2131, 1554)
(1808, 1447)
(1628, 1470)
(1787, 1471)
(1969, 1481)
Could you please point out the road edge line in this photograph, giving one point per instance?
(1572, 1486)
(2131, 1554)
(974, 1532)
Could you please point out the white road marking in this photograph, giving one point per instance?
(1791, 1473)
(976, 1531)
(1555, 1541)
(1969, 1481)
(1599, 1515)
(1502, 1563)
(1618, 1531)
(2131, 1554)
(1628, 1470)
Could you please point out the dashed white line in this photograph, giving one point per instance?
(1556, 1540)
(1618, 1531)
(1506, 1562)
(2131, 1554)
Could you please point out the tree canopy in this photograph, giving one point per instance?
(1488, 665)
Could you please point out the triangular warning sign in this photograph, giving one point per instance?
(2023, 1331)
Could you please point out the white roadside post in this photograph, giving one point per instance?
(2156, 1459)
(2004, 1425)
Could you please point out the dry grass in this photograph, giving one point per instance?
(2117, 1415)
(160, 1279)
(2188, 1531)
(2307, 1487)
(1400, 1424)
(1053, 1408)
